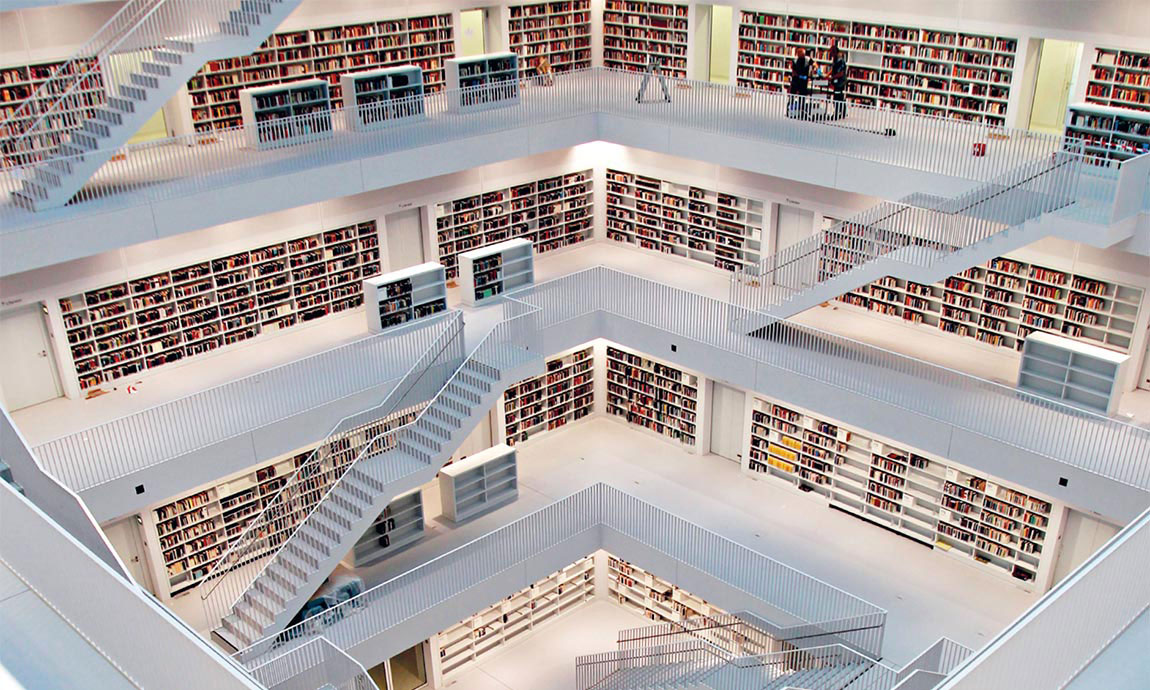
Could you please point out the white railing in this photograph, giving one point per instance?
(1066, 629)
(137, 635)
(194, 163)
(775, 585)
(359, 435)
(317, 665)
(105, 452)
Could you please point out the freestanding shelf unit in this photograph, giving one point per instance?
(400, 525)
(495, 269)
(403, 296)
(483, 81)
(1073, 372)
(379, 97)
(480, 483)
(287, 114)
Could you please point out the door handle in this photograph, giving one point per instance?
(43, 353)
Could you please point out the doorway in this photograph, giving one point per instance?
(1081, 537)
(1144, 378)
(792, 224)
(1057, 71)
(712, 52)
(125, 538)
(404, 671)
(404, 239)
(727, 413)
(28, 374)
(472, 32)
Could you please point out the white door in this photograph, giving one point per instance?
(1144, 379)
(27, 367)
(1081, 537)
(792, 224)
(125, 538)
(727, 413)
(404, 239)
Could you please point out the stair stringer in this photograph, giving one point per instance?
(167, 68)
(272, 599)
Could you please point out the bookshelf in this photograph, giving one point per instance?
(652, 395)
(1119, 78)
(483, 81)
(379, 97)
(286, 114)
(478, 484)
(945, 73)
(552, 212)
(558, 31)
(1109, 132)
(399, 525)
(325, 53)
(716, 228)
(194, 530)
(1004, 300)
(495, 269)
(147, 322)
(1084, 375)
(547, 599)
(927, 500)
(565, 393)
(18, 84)
(403, 296)
(633, 30)
(655, 598)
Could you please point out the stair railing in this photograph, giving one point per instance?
(98, 68)
(317, 664)
(311, 482)
(664, 664)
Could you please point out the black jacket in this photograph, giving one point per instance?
(839, 74)
(801, 76)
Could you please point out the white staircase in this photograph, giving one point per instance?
(137, 62)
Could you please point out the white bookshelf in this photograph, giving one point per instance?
(150, 321)
(1109, 132)
(379, 97)
(633, 30)
(400, 525)
(286, 114)
(658, 599)
(509, 620)
(716, 228)
(552, 212)
(403, 296)
(496, 269)
(653, 395)
(1003, 301)
(1120, 78)
(483, 81)
(479, 483)
(951, 74)
(987, 523)
(1076, 373)
(559, 32)
(564, 394)
(18, 85)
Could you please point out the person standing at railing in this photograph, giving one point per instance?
(838, 81)
(800, 86)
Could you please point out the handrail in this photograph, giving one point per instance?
(317, 664)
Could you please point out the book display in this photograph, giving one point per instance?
(18, 83)
(404, 296)
(1003, 301)
(547, 599)
(286, 114)
(1076, 373)
(644, 592)
(564, 394)
(559, 32)
(1120, 78)
(381, 96)
(922, 498)
(495, 269)
(716, 228)
(399, 525)
(193, 531)
(635, 30)
(124, 329)
(325, 53)
(1108, 132)
(479, 483)
(483, 81)
(551, 212)
(931, 72)
(652, 395)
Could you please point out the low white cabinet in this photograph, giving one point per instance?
(483, 81)
(288, 114)
(495, 269)
(480, 483)
(377, 97)
(406, 295)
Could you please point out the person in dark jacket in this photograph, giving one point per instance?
(838, 81)
(800, 87)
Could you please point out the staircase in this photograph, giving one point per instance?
(6, 475)
(254, 603)
(925, 238)
(137, 61)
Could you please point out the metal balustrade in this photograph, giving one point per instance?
(316, 665)
(775, 585)
(106, 452)
(179, 166)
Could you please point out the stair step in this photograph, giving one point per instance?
(243, 631)
(272, 589)
(34, 190)
(156, 68)
(124, 105)
(45, 176)
(180, 44)
(147, 81)
(96, 128)
(253, 617)
(242, 17)
(262, 603)
(108, 115)
(132, 92)
(306, 551)
(289, 574)
(169, 57)
(24, 200)
(85, 140)
(258, 6)
(234, 29)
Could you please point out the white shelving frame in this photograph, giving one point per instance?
(400, 297)
(559, 31)
(483, 81)
(635, 29)
(286, 114)
(19, 83)
(654, 396)
(564, 394)
(1076, 373)
(380, 97)
(400, 525)
(496, 269)
(479, 483)
(1119, 78)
